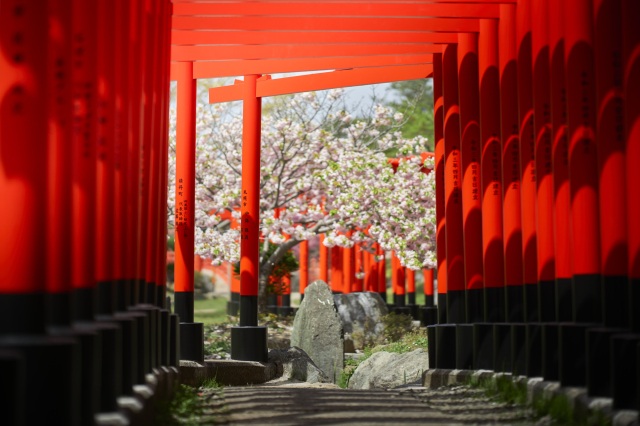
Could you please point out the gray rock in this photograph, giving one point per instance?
(385, 370)
(361, 315)
(295, 364)
(317, 330)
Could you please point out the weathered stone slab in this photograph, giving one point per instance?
(385, 370)
(361, 315)
(317, 330)
(295, 364)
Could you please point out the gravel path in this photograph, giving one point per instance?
(304, 404)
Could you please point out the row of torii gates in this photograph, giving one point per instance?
(537, 134)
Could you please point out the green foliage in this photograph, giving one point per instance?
(396, 326)
(211, 384)
(183, 409)
(415, 101)
(282, 268)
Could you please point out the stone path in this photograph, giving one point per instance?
(304, 404)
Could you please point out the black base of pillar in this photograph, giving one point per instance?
(301, 298)
(456, 310)
(502, 348)
(431, 347)
(411, 298)
(415, 311)
(475, 305)
(428, 316)
(624, 371)
(446, 346)
(483, 346)
(494, 304)
(174, 344)
(183, 302)
(192, 341)
(123, 295)
(402, 310)
(106, 297)
(130, 362)
(59, 309)
(13, 387)
(634, 302)
(518, 349)
(165, 341)
(248, 311)
(111, 362)
(143, 344)
(547, 301)
(573, 353)
(464, 346)
(533, 336)
(550, 351)
(615, 292)
(152, 313)
(286, 300)
(249, 343)
(598, 358)
(564, 300)
(285, 311)
(399, 300)
(587, 298)
(51, 378)
(161, 298)
(514, 299)
(442, 308)
(383, 296)
(150, 294)
(531, 302)
(429, 300)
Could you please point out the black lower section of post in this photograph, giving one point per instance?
(547, 301)
(59, 309)
(411, 298)
(106, 298)
(494, 308)
(51, 378)
(128, 325)
(165, 342)
(301, 297)
(464, 346)
(533, 350)
(174, 348)
(598, 358)
(22, 313)
(123, 294)
(518, 349)
(249, 343)
(475, 305)
(383, 296)
(483, 346)
(429, 300)
(624, 371)
(428, 316)
(399, 300)
(531, 302)
(564, 300)
(111, 364)
(615, 292)
(248, 311)
(550, 351)
(573, 354)
(442, 308)
(150, 293)
(514, 295)
(161, 298)
(502, 348)
(634, 302)
(415, 311)
(192, 341)
(446, 346)
(286, 300)
(456, 309)
(13, 387)
(401, 310)
(143, 346)
(184, 305)
(431, 347)
(587, 298)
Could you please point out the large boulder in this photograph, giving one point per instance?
(295, 364)
(361, 315)
(317, 330)
(385, 370)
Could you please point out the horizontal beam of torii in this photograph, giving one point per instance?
(321, 81)
(216, 69)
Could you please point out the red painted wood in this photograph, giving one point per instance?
(438, 130)
(427, 275)
(336, 269)
(348, 271)
(323, 261)
(491, 161)
(304, 266)
(398, 277)
(382, 271)
(358, 265)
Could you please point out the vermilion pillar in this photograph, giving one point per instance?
(527, 160)
(303, 277)
(185, 192)
(543, 158)
(382, 274)
(631, 84)
(491, 166)
(511, 206)
(611, 160)
(336, 269)
(323, 261)
(427, 275)
(58, 265)
(453, 188)
(358, 265)
(471, 174)
(441, 240)
(348, 272)
(397, 281)
(560, 162)
(583, 160)
(411, 286)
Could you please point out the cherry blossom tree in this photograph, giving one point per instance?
(323, 171)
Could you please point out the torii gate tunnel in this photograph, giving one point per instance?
(537, 144)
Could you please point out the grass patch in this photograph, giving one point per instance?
(210, 311)
(211, 384)
(184, 409)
